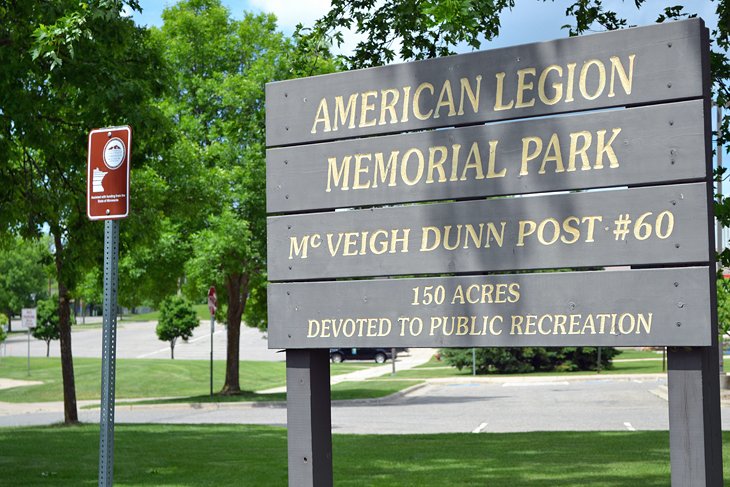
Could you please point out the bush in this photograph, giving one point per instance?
(48, 326)
(529, 359)
(177, 320)
(3, 323)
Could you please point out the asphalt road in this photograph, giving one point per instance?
(138, 340)
(464, 406)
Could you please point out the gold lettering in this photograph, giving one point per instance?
(516, 328)
(437, 165)
(381, 168)
(359, 169)
(556, 156)
(417, 101)
(572, 230)
(340, 176)
(582, 152)
(404, 166)
(394, 240)
(583, 81)
(603, 147)
(406, 103)
(557, 87)
(541, 231)
(312, 328)
(322, 116)
(467, 90)
(298, 247)
(526, 155)
(446, 99)
(366, 107)
(499, 104)
(522, 86)
(491, 168)
(388, 106)
(473, 161)
(527, 228)
(342, 111)
(447, 232)
(618, 68)
(571, 79)
(379, 246)
(425, 231)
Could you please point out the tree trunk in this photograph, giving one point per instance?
(172, 348)
(48, 348)
(70, 412)
(237, 287)
(10, 320)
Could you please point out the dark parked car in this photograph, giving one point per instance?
(380, 355)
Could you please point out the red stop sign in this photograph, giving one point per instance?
(107, 183)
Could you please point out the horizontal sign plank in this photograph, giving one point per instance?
(628, 67)
(652, 225)
(604, 308)
(619, 147)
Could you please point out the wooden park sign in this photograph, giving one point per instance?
(428, 223)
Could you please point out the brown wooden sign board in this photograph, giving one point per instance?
(653, 225)
(627, 67)
(621, 147)
(602, 308)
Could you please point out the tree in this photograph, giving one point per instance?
(67, 67)
(723, 305)
(177, 320)
(24, 266)
(47, 323)
(4, 321)
(217, 105)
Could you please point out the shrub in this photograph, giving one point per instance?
(529, 359)
(48, 326)
(3, 323)
(177, 320)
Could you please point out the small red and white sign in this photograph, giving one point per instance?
(212, 301)
(107, 184)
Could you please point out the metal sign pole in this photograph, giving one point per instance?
(108, 357)
(212, 329)
(28, 352)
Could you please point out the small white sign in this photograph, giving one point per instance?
(28, 317)
(114, 153)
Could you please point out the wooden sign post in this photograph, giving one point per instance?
(629, 186)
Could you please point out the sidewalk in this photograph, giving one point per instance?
(415, 357)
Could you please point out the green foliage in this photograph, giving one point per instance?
(723, 305)
(529, 359)
(3, 323)
(24, 267)
(177, 320)
(47, 322)
(419, 29)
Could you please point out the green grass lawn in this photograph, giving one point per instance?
(371, 389)
(212, 455)
(200, 309)
(148, 378)
(631, 362)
